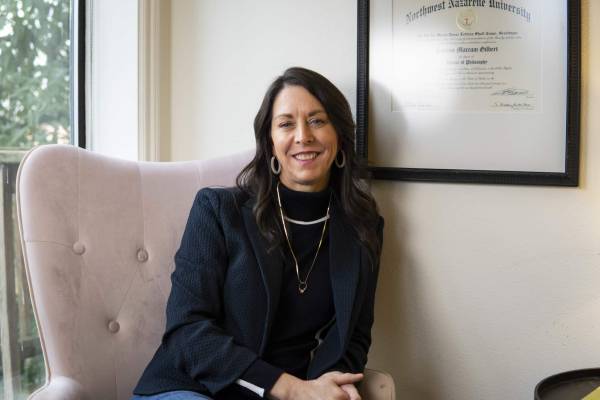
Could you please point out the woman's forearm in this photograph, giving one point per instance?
(283, 387)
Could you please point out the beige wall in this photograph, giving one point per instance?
(484, 290)
(225, 54)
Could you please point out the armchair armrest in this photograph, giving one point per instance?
(60, 388)
(377, 385)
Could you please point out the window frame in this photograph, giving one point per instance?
(77, 69)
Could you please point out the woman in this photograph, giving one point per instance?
(273, 289)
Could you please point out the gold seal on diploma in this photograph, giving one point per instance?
(466, 19)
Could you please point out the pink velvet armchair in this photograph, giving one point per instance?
(98, 236)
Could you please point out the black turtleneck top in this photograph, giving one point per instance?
(302, 319)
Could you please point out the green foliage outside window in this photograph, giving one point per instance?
(34, 72)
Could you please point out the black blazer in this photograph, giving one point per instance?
(224, 297)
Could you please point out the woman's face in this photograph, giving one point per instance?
(304, 140)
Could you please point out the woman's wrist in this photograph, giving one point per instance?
(283, 387)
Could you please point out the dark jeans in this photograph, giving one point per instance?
(175, 395)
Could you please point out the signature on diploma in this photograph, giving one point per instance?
(513, 105)
(511, 92)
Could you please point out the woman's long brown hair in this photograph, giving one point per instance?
(257, 180)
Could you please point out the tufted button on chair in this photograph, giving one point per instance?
(99, 235)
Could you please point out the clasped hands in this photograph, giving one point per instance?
(329, 386)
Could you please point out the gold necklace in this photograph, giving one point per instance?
(302, 284)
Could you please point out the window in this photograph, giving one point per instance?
(40, 64)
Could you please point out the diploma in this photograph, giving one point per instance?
(467, 56)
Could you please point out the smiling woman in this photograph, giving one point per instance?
(274, 283)
(304, 141)
(298, 89)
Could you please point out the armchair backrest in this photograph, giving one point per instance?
(98, 236)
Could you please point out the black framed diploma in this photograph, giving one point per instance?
(481, 91)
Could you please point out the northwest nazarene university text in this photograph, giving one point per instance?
(448, 4)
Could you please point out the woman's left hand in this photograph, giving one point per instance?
(350, 389)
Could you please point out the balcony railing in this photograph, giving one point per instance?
(22, 366)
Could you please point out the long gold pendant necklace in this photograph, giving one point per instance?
(302, 284)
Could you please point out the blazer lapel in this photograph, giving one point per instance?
(344, 268)
(344, 264)
(271, 268)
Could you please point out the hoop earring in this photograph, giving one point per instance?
(343, 162)
(277, 170)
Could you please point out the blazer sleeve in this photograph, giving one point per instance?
(200, 347)
(355, 357)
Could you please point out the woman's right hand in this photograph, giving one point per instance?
(325, 387)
